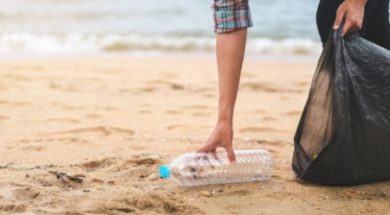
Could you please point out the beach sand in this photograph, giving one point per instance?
(110, 122)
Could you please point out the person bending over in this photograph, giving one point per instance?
(233, 17)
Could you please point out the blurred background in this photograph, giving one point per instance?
(148, 27)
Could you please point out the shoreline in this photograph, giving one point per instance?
(272, 58)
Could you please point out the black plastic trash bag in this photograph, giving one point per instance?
(343, 137)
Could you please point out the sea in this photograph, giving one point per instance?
(149, 26)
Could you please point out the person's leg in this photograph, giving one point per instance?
(326, 15)
(375, 26)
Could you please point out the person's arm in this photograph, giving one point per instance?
(353, 12)
(230, 55)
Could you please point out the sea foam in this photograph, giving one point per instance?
(24, 42)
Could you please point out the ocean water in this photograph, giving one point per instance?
(142, 26)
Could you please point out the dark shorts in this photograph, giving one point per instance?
(376, 27)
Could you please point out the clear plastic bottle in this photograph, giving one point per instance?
(195, 169)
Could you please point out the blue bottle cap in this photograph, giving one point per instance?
(165, 171)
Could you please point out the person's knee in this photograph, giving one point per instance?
(231, 15)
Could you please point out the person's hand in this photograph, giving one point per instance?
(222, 136)
(353, 12)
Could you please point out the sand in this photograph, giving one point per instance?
(86, 136)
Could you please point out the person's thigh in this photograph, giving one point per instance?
(326, 15)
(375, 26)
(231, 15)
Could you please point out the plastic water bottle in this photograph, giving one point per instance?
(195, 169)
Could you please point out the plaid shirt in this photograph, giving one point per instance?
(231, 15)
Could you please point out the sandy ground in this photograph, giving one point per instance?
(110, 122)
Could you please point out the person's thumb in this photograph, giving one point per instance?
(230, 154)
(205, 149)
(339, 18)
(208, 146)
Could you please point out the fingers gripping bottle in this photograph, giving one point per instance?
(196, 169)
